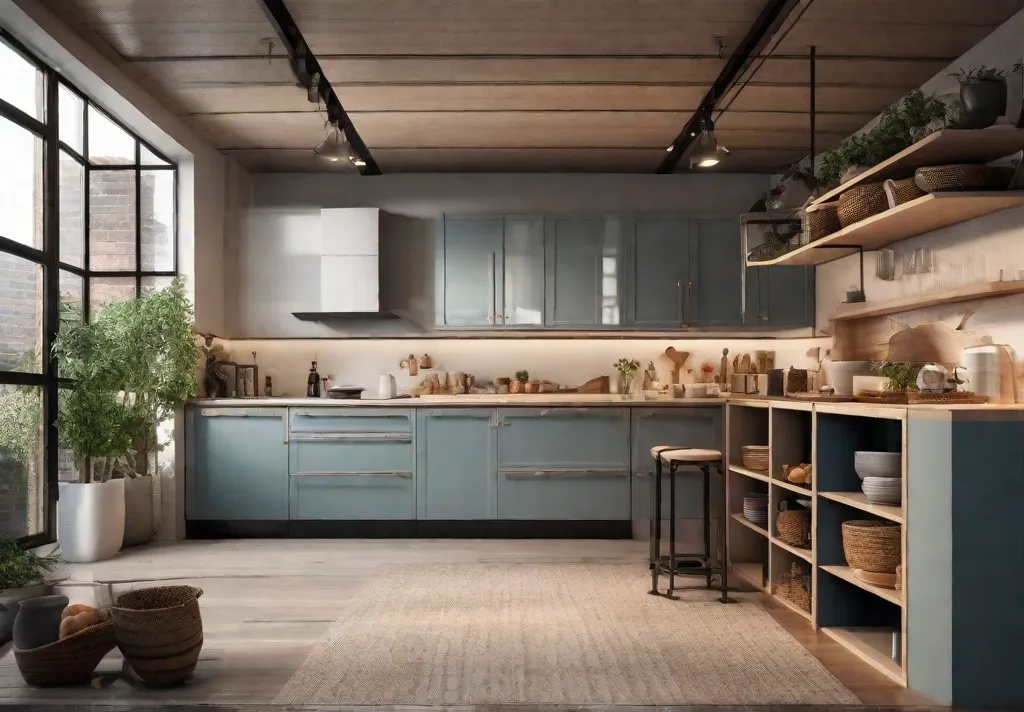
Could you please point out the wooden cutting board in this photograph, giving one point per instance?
(678, 359)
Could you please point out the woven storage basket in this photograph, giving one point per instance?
(822, 220)
(793, 526)
(790, 587)
(160, 632)
(861, 202)
(962, 177)
(70, 661)
(901, 191)
(872, 545)
(755, 457)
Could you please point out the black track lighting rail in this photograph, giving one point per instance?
(767, 23)
(305, 67)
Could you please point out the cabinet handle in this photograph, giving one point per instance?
(353, 473)
(679, 298)
(237, 413)
(494, 288)
(689, 303)
(352, 437)
(530, 473)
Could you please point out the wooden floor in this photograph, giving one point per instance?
(266, 602)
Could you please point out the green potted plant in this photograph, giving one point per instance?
(901, 375)
(22, 576)
(133, 365)
(519, 384)
(982, 95)
(627, 369)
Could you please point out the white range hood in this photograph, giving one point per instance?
(350, 284)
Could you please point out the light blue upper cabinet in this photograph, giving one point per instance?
(781, 296)
(657, 268)
(468, 281)
(237, 464)
(523, 302)
(455, 463)
(715, 293)
(583, 269)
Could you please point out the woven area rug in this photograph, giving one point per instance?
(573, 634)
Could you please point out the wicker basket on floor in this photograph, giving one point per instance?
(959, 177)
(822, 220)
(160, 632)
(755, 457)
(898, 192)
(861, 202)
(872, 545)
(70, 661)
(790, 587)
(793, 526)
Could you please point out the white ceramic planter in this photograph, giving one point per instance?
(90, 520)
(138, 510)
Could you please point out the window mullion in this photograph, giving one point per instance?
(51, 301)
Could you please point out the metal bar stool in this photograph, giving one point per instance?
(702, 459)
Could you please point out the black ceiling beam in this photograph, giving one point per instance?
(305, 67)
(767, 23)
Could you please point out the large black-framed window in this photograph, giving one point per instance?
(88, 215)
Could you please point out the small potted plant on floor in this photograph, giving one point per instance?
(133, 365)
(982, 95)
(22, 576)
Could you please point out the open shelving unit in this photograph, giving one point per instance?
(859, 616)
(924, 214)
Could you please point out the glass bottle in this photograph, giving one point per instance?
(313, 383)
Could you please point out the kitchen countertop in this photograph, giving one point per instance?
(568, 400)
(469, 400)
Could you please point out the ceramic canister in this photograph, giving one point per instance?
(38, 621)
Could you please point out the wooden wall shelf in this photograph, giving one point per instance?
(927, 213)
(983, 290)
(945, 146)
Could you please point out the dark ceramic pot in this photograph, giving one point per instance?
(983, 98)
(38, 621)
(9, 602)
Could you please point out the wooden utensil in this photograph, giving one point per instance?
(678, 359)
(600, 384)
(745, 364)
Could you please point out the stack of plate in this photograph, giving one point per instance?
(755, 509)
(881, 476)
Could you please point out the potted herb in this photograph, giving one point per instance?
(627, 369)
(133, 365)
(519, 384)
(22, 576)
(901, 375)
(982, 94)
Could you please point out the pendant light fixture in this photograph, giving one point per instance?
(706, 150)
(336, 148)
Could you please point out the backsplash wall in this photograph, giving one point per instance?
(568, 362)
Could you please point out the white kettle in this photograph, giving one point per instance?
(388, 387)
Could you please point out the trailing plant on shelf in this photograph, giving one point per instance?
(133, 364)
(899, 126)
(983, 96)
(902, 376)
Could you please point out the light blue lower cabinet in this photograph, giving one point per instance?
(237, 464)
(563, 463)
(368, 476)
(455, 462)
(686, 427)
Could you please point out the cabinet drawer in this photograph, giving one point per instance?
(353, 495)
(348, 421)
(563, 493)
(324, 456)
(552, 437)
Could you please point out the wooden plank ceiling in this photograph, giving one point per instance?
(531, 85)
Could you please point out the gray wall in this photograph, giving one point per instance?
(273, 257)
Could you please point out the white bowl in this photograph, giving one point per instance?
(883, 490)
(868, 463)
